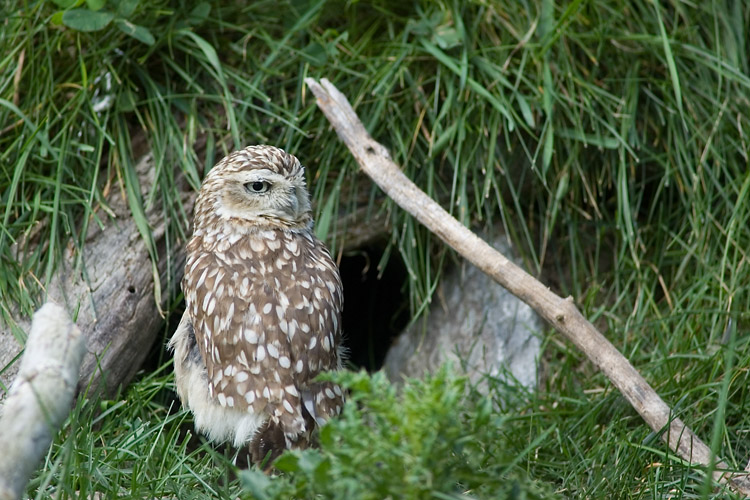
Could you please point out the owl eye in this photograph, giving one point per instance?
(257, 186)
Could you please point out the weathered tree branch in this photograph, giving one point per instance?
(40, 398)
(561, 313)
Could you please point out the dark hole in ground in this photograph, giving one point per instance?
(375, 309)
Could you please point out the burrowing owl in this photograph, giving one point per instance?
(263, 304)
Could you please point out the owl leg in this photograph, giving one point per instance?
(267, 444)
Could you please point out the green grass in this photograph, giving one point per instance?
(609, 139)
(137, 446)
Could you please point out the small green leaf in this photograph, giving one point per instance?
(140, 33)
(126, 101)
(322, 470)
(95, 4)
(57, 18)
(528, 116)
(256, 483)
(66, 4)
(315, 54)
(86, 20)
(199, 13)
(208, 51)
(288, 462)
(125, 8)
(549, 148)
(446, 37)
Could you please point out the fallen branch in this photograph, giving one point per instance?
(40, 398)
(561, 313)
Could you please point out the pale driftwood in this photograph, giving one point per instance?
(561, 313)
(40, 397)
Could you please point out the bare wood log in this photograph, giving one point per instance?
(40, 398)
(562, 314)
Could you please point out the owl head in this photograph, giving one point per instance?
(255, 187)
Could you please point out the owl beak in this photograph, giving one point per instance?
(294, 204)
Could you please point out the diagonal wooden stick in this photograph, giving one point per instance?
(561, 313)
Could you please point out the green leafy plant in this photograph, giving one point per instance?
(434, 439)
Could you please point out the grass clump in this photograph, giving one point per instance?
(137, 445)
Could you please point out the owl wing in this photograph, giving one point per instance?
(314, 328)
(255, 322)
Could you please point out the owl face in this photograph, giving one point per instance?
(259, 186)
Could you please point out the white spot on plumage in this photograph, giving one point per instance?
(251, 336)
(273, 244)
(202, 279)
(256, 244)
(288, 406)
(292, 390)
(293, 247)
(242, 360)
(206, 300)
(273, 351)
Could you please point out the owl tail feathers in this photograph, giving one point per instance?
(283, 431)
(323, 401)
